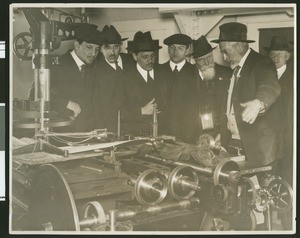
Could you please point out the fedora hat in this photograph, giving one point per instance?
(233, 31)
(201, 47)
(111, 35)
(278, 43)
(89, 35)
(143, 42)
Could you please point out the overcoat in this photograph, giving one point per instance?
(109, 92)
(258, 80)
(210, 97)
(138, 94)
(67, 85)
(181, 102)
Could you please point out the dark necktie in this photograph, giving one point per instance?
(175, 71)
(118, 68)
(235, 74)
(83, 71)
(149, 78)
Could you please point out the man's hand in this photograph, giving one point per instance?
(73, 106)
(149, 107)
(251, 110)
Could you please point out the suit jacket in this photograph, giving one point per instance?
(68, 85)
(258, 80)
(210, 96)
(109, 92)
(138, 94)
(180, 101)
(285, 102)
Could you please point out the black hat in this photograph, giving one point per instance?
(233, 31)
(111, 35)
(278, 43)
(143, 42)
(180, 39)
(89, 35)
(201, 47)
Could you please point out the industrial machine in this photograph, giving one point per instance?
(144, 184)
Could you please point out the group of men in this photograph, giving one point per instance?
(248, 105)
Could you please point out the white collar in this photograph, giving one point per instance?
(144, 72)
(179, 65)
(120, 63)
(78, 61)
(281, 70)
(242, 61)
(201, 75)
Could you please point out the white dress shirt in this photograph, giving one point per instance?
(78, 61)
(179, 66)
(145, 72)
(231, 124)
(120, 63)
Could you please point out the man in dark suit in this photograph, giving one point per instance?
(181, 95)
(109, 90)
(142, 92)
(72, 80)
(279, 52)
(213, 81)
(250, 116)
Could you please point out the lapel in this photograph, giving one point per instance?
(244, 72)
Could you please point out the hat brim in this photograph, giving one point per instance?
(143, 49)
(220, 40)
(195, 55)
(114, 41)
(269, 49)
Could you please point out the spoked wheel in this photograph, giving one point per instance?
(22, 45)
(281, 195)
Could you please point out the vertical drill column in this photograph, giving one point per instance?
(42, 65)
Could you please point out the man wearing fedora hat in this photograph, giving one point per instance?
(249, 117)
(279, 51)
(181, 95)
(141, 85)
(213, 81)
(72, 80)
(109, 89)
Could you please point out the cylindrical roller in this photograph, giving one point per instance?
(52, 202)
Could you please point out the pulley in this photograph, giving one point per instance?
(183, 182)
(227, 170)
(52, 205)
(150, 187)
(94, 217)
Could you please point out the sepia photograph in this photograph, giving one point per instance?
(152, 119)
